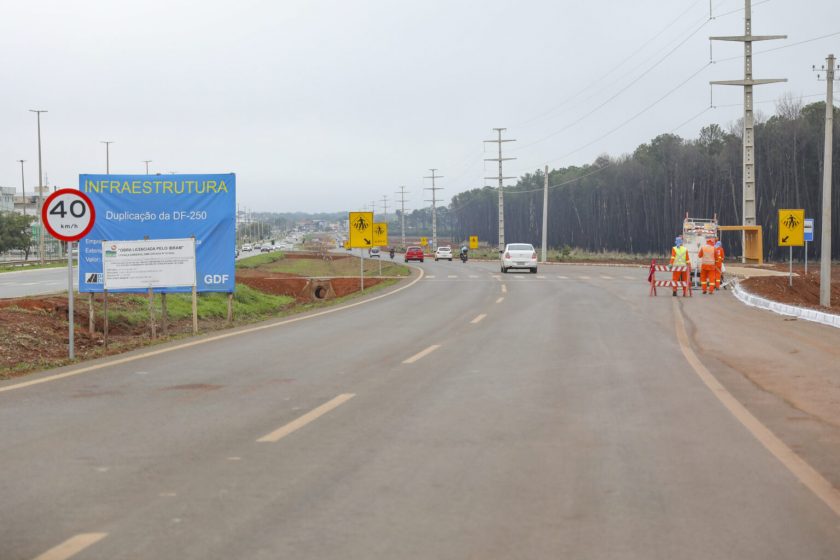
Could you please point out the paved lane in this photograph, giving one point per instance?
(35, 282)
(565, 423)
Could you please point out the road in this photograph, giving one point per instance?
(40, 281)
(470, 415)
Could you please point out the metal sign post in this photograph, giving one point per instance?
(70, 313)
(68, 215)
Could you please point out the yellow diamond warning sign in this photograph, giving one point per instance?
(361, 230)
(791, 228)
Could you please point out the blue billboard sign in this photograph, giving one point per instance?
(130, 207)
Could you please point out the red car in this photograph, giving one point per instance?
(414, 254)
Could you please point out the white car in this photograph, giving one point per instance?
(519, 255)
(443, 253)
(246, 248)
(374, 253)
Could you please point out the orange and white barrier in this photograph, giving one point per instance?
(685, 272)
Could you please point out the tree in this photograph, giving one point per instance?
(14, 233)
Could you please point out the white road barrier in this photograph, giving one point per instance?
(783, 309)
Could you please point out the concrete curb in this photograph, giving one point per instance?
(813, 315)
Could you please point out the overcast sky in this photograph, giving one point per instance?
(329, 105)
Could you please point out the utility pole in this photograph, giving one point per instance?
(147, 162)
(22, 185)
(434, 190)
(107, 155)
(501, 178)
(40, 189)
(402, 192)
(545, 219)
(748, 140)
(825, 237)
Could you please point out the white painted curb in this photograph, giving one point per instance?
(782, 309)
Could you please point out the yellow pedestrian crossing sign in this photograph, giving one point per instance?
(361, 230)
(473, 242)
(380, 235)
(424, 241)
(791, 228)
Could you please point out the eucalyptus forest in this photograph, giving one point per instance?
(636, 203)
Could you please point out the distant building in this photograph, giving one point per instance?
(7, 199)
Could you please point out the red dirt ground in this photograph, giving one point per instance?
(33, 330)
(805, 291)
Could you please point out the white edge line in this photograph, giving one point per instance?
(806, 474)
(120, 361)
(421, 354)
(307, 418)
(504, 288)
(479, 318)
(500, 300)
(72, 546)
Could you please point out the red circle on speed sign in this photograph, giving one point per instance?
(68, 214)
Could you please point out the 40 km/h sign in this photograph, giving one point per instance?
(68, 214)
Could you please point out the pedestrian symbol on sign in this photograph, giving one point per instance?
(361, 224)
(791, 222)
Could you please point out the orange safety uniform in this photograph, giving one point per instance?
(707, 266)
(679, 257)
(719, 256)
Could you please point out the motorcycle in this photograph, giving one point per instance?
(391, 252)
(463, 257)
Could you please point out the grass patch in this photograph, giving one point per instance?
(572, 254)
(133, 309)
(260, 259)
(337, 267)
(34, 266)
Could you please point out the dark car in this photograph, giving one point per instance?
(414, 254)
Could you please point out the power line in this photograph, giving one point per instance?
(619, 92)
(596, 81)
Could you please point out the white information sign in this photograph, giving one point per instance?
(152, 263)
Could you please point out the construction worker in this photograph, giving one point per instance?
(679, 257)
(707, 266)
(719, 256)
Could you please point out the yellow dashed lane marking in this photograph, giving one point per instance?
(307, 418)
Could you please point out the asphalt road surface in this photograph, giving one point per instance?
(21, 283)
(470, 415)
(40, 281)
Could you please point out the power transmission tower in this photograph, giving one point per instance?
(434, 189)
(402, 192)
(501, 178)
(545, 218)
(825, 235)
(385, 208)
(748, 140)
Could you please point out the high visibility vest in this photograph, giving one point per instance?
(707, 255)
(679, 256)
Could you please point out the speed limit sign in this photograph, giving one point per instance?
(68, 214)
